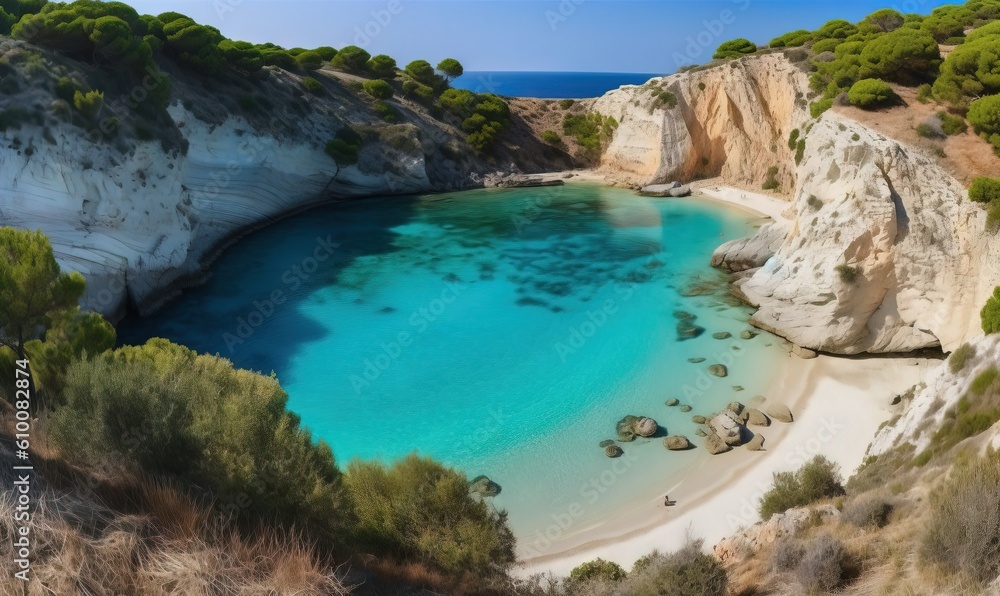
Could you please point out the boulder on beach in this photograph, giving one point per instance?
(748, 334)
(735, 407)
(722, 335)
(688, 330)
(779, 412)
(673, 401)
(484, 487)
(699, 419)
(718, 370)
(757, 418)
(686, 408)
(696, 360)
(624, 428)
(727, 427)
(677, 443)
(673, 189)
(680, 191)
(613, 451)
(607, 443)
(756, 443)
(803, 353)
(715, 445)
(645, 427)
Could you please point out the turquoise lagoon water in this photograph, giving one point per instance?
(501, 331)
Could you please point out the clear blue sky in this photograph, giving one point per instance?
(546, 35)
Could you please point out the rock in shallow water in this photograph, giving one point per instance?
(677, 443)
(613, 451)
(672, 402)
(699, 419)
(645, 427)
(722, 335)
(686, 408)
(748, 334)
(715, 445)
(688, 330)
(696, 360)
(757, 418)
(607, 443)
(718, 370)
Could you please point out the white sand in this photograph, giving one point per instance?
(838, 404)
(771, 206)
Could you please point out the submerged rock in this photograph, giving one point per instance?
(748, 334)
(677, 443)
(688, 330)
(699, 419)
(683, 315)
(607, 443)
(722, 335)
(673, 401)
(613, 451)
(686, 408)
(718, 370)
(701, 432)
(645, 427)
(484, 487)
(696, 360)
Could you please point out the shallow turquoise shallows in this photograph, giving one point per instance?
(501, 331)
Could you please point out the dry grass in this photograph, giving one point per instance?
(143, 536)
(966, 155)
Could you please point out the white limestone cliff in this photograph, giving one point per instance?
(136, 224)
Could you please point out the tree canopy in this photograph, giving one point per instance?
(734, 49)
(451, 68)
(351, 59)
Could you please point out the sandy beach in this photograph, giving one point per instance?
(838, 404)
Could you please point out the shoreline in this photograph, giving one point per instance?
(838, 404)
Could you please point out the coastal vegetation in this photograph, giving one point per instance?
(818, 479)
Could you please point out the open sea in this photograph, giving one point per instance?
(549, 85)
(502, 331)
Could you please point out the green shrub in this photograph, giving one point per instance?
(817, 108)
(793, 138)
(925, 93)
(418, 508)
(162, 409)
(734, 49)
(382, 66)
(984, 190)
(326, 53)
(309, 60)
(905, 56)
(927, 131)
(817, 479)
(952, 125)
(815, 203)
(385, 111)
(993, 216)
(422, 72)
(826, 45)
(969, 71)
(241, 56)
(771, 181)
(66, 89)
(89, 104)
(451, 68)
(886, 19)
(963, 534)
(566, 103)
(665, 99)
(800, 151)
(990, 314)
(418, 91)
(871, 93)
(984, 115)
(312, 85)
(599, 570)
(378, 89)
(551, 137)
(848, 274)
(792, 39)
(351, 59)
(961, 356)
(822, 566)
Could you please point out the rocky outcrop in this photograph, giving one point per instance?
(677, 443)
(747, 542)
(886, 253)
(732, 120)
(750, 252)
(936, 400)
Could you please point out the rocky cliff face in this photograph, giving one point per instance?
(884, 254)
(731, 120)
(136, 223)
